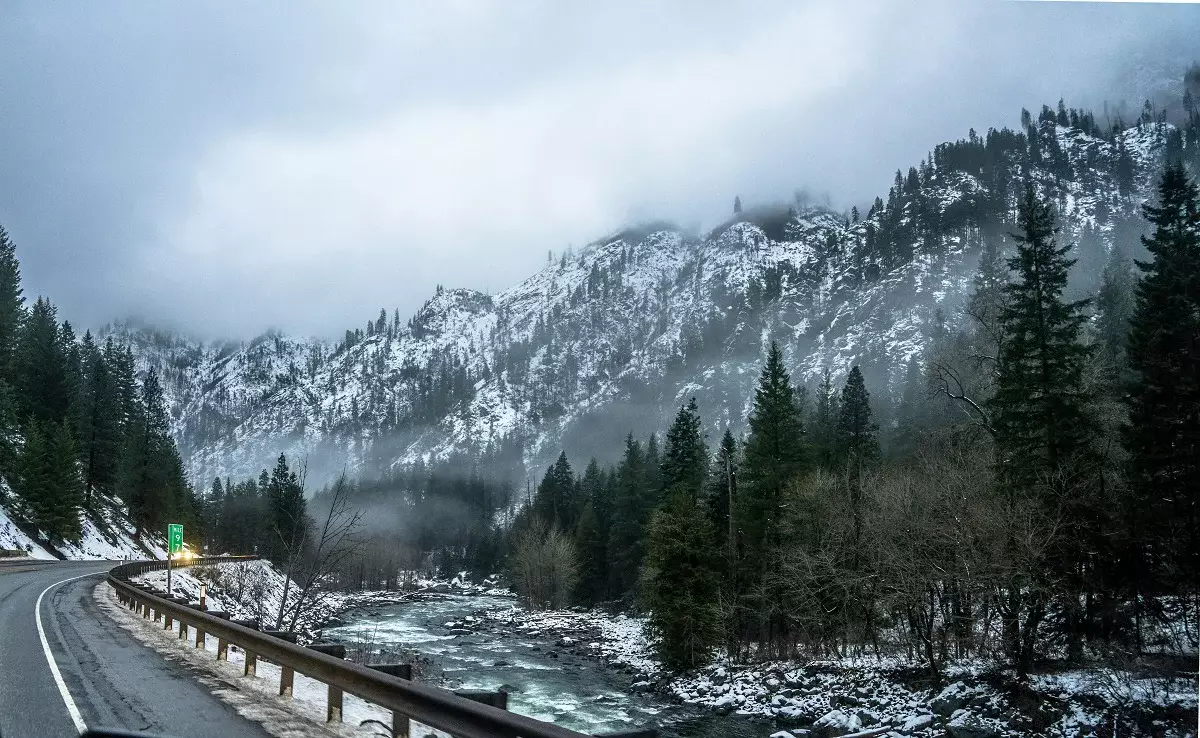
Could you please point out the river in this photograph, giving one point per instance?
(573, 691)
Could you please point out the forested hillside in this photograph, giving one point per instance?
(615, 336)
(86, 454)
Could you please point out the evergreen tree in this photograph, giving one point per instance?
(987, 298)
(737, 205)
(151, 474)
(591, 537)
(64, 501)
(40, 370)
(685, 456)
(287, 511)
(12, 303)
(773, 457)
(857, 444)
(681, 591)
(97, 416)
(629, 513)
(653, 480)
(1114, 305)
(50, 489)
(1040, 406)
(723, 489)
(1163, 435)
(824, 422)
(9, 435)
(554, 502)
(911, 415)
(1042, 424)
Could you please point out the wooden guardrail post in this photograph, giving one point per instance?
(287, 675)
(251, 665)
(222, 644)
(199, 630)
(401, 671)
(333, 702)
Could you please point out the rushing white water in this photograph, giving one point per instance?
(542, 682)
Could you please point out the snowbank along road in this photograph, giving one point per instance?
(64, 665)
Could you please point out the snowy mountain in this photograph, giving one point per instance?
(613, 338)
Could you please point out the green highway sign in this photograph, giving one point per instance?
(174, 538)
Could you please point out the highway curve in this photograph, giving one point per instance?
(114, 680)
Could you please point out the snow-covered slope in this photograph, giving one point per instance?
(107, 535)
(613, 338)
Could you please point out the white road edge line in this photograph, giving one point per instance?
(76, 717)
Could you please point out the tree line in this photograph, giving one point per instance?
(78, 427)
(1037, 496)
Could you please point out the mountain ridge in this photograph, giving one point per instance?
(614, 337)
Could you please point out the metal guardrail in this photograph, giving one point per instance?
(431, 706)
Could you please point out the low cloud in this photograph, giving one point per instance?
(456, 143)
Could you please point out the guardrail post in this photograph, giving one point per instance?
(402, 671)
(199, 630)
(333, 710)
(286, 679)
(251, 658)
(222, 644)
(287, 675)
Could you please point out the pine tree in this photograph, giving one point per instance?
(722, 489)
(1115, 305)
(1040, 407)
(685, 455)
(911, 414)
(737, 205)
(50, 490)
(681, 591)
(40, 371)
(591, 537)
(824, 422)
(774, 456)
(9, 435)
(1041, 418)
(629, 513)
(61, 515)
(151, 474)
(287, 510)
(1163, 435)
(555, 502)
(12, 303)
(97, 416)
(857, 444)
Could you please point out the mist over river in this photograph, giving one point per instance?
(543, 681)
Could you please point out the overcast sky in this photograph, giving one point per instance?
(224, 168)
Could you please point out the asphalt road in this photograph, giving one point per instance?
(114, 680)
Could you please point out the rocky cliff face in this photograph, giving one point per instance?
(613, 338)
